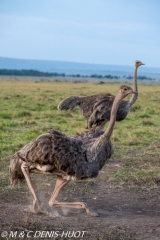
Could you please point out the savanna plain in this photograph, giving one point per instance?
(126, 194)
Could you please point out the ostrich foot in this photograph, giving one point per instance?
(77, 205)
(35, 208)
(88, 211)
(92, 213)
(31, 209)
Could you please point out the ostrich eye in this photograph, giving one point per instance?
(125, 89)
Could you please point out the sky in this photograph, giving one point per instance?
(87, 31)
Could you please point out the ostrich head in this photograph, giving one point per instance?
(125, 90)
(138, 63)
(16, 175)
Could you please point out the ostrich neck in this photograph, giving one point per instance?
(102, 140)
(135, 88)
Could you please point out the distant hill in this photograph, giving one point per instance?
(73, 67)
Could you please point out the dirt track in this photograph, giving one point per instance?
(123, 214)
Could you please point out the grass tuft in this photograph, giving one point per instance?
(24, 114)
(148, 123)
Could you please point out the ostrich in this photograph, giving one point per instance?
(97, 108)
(69, 157)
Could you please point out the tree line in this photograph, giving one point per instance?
(30, 73)
(36, 73)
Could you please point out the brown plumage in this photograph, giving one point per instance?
(69, 157)
(97, 108)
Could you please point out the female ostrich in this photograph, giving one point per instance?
(69, 157)
(97, 108)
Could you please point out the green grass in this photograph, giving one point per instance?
(141, 169)
(28, 107)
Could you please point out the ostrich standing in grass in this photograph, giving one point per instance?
(69, 157)
(97, 108)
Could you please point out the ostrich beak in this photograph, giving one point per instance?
(133, 92)
(142, 63)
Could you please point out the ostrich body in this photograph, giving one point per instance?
(69, 157)
(97, 108)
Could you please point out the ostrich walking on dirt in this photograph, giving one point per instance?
(97, 108)
(69, 157)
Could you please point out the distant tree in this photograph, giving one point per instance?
(30, 72)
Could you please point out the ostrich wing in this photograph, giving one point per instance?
(86, 104)
(63, 152)
(89, 103)
(69, 103)
(101, 111)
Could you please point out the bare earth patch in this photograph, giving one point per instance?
(123, 214)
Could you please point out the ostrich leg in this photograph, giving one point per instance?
(60, 183)
(36, 203)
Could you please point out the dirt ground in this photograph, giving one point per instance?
(123, 214)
